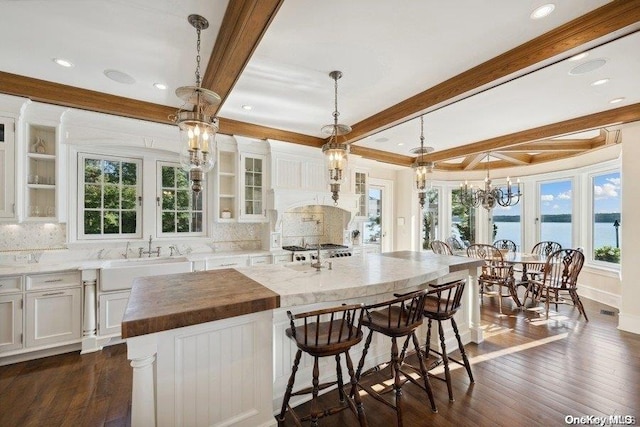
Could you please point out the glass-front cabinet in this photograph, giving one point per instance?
(41, 172)
(7, 166)
(252, 191)
(226, 188)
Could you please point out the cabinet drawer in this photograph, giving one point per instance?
(63, 279)
(282, 259)
(228, 262)
(10, 284)
(261, 260)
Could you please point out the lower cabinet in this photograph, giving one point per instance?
(10, 322)
(111, 309)
(53, 316)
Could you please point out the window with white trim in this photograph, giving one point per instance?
(605, 219)
(109, 192)
(179, 209)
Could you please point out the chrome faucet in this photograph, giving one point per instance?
(318, 264)
(141, 251)
(125, 255)
(174, 249)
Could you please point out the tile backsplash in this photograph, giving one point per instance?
(28, 236)
(312, 224)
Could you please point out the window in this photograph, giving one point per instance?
(507, 222)
(109, 194)
(361, 192)
(606, 224)
(180, 209)
(555, 212)
(463, 220)
(430, 218)
(372, 229)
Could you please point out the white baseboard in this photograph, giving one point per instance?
(600, 296)
(629, 323)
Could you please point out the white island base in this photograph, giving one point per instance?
(234, 371)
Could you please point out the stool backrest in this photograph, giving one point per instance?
(449, 298)
(441, 248)
(341, 323)
(562, 269)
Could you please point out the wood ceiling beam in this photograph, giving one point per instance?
(591, 26)
(244, 24)
(551, 145)
(470, 162)
(69, 96)
(513, 158)
(630, 113)
(382, 156)
(234, 127)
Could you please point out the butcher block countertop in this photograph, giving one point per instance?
(160, 303)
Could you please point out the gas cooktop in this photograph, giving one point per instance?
(314, 247)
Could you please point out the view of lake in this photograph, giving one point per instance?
(605, 233)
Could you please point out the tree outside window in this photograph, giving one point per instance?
(606, 223)
(180, 208)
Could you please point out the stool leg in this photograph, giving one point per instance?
(339, 378)
(445, 359)
(287, 394)
(315, 408)
(397, 383)
(424, 372)
(467, 365)
(364, 353)
(427, 348)
(356, 396)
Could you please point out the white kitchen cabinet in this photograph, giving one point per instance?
(7, 169)
(226, 186)
(40, 173)
(11, 322)
(253, 182)
(111, 309)
(360, 189)
(228, 262)
(260, 260)
(53, 316)
(283, 258)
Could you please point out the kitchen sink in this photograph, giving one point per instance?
(119, 274)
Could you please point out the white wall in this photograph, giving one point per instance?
(629, 319)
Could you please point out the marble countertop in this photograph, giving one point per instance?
(91, 264)
(166, 302)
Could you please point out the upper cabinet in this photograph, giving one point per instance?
(7, 168)
(241, 180)
(42, 172)
(359, 180)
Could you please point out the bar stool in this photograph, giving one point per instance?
(331, 337)
(440, 304)
(396, 318)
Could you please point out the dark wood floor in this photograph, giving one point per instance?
(529, 372)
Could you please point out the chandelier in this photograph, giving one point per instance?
(488, 196)
(421, 167)
(196, 122)
(336, 153)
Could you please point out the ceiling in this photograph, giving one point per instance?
(486, 76)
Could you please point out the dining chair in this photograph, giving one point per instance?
(455, 243)
(507, 244)
(560, 278)
(545, 248)
(441, 248)
(495, 272)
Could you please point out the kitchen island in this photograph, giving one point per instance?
(209, 348)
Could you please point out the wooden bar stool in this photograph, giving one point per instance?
(321, 338)
(441, 304)
(397, 318)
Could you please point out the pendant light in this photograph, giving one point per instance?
(421, 167)
(336, 153)
(196, 122)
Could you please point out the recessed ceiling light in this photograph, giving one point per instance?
(63, 62)
(247, 107)
(587, 67)
(119, 76)
(160, 86)
(579, 56)
(616, 100)
(600, 82)
(400, 144)
(542, 11)
(381, 139)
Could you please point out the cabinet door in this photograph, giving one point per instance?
(253, 181)
(7, 169)
(10, 322)
(53, 316)
(111, 310)
(226, 188)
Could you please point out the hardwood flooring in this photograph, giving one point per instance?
(528, 372)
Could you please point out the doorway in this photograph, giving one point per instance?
(378, 228)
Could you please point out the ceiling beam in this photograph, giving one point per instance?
(513, 158)
(244, 24)
(69, 96)
(234, 127)
(551, 145)
(382, 156)
(591, 26)
(470, 162)
(630, 113)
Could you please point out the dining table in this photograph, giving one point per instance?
(527, 260)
